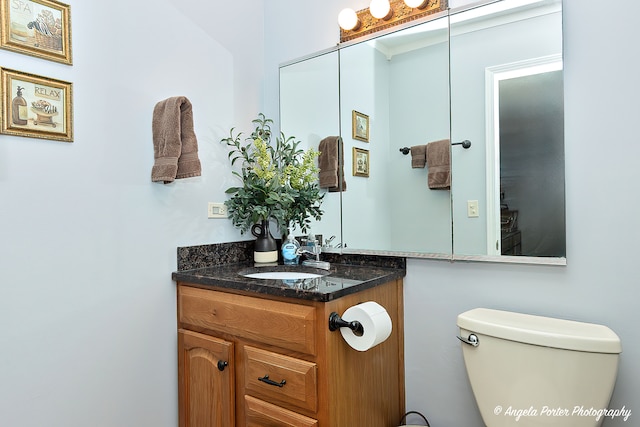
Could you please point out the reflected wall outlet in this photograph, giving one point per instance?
(472, 209)
(217, 210)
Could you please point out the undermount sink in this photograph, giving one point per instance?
(283, 275)
(283, 272)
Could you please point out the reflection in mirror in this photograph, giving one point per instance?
(400, 81)
(309, 103)
(507, 97)
(496, 70)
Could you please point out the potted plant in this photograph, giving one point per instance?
(279, 183)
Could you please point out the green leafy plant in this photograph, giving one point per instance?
(279, 181)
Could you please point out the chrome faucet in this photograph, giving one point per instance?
(312, 247)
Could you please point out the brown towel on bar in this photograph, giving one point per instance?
(175, 146)
(418, 156)
(330, 163)
(439, 164)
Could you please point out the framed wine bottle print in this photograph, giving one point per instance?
(36, 106)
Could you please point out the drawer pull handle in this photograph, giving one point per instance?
(222, 364)
(266, 379)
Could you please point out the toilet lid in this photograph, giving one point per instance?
(539, 330)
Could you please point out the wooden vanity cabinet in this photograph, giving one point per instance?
(283, 365)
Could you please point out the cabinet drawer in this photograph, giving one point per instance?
(263, 414)
(277, 323)
(280, 379)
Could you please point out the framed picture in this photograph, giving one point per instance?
(360, 126)
(35, 106)
(39, 28)
(361, 162)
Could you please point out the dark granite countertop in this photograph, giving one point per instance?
(348, 273)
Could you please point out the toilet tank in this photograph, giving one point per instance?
(531, 370)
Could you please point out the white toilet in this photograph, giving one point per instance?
(529, 370)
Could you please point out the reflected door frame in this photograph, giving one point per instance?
(493, 76)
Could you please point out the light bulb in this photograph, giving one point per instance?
(348, 19)
(416, 4)
(380, 9)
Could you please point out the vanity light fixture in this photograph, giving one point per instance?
(348, 20)
(381, 9)
(383, 14)
(417, 4)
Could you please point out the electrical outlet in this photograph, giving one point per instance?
(217, 210)
(472, 209)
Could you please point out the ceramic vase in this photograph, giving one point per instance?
(266, 247)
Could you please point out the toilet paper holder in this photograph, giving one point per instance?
(336, 322)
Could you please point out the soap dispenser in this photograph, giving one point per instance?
(290, 248)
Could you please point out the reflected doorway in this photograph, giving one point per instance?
(527, 187)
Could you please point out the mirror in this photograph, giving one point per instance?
(309, 111)
(506, 97)
(389, 79)
(490, 74)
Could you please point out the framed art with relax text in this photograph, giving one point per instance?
(36, 106)
(40, 28)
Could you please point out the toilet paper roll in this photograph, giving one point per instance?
(376, 323)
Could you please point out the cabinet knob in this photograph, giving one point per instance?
(222, 364)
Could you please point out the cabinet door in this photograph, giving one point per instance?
(206, 381)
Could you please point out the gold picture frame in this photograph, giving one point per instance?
(361, 162)
(360, 126)
(40, 28)
(35, 106)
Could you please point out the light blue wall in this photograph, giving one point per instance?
(599, 284)
(87, 241)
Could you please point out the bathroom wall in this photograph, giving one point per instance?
(599, 283)
(87, 241)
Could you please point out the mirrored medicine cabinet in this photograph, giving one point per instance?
(488, 73)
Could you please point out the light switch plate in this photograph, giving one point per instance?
(472, 209)
(217, 210)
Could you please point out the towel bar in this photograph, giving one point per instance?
(465, 144)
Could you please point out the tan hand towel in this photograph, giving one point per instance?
(418, 156)
(175, 146)
(439, 164)
(330, 163)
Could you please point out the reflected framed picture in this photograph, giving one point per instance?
(40, 28)
(360, 126)
(35, 106)
(361, 162)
